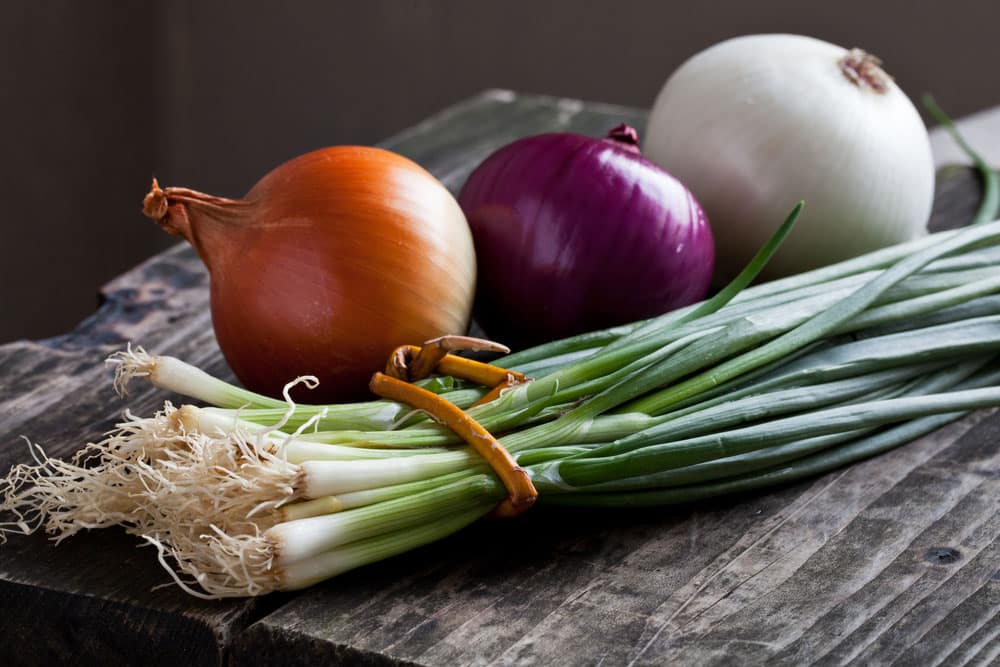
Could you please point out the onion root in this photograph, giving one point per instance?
(204, 500)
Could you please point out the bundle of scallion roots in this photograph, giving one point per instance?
(755, 387)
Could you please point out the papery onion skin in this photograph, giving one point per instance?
(330, 261)
(756, 123)
(574, 233)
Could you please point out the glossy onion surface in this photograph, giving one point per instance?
(574, 233)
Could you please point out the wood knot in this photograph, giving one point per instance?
(942, 555)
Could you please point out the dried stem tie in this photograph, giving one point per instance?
(410, 362)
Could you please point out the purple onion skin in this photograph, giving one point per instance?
(575, 234)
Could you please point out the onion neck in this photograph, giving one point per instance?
(865, 71)
(199, 218)
(624, 136)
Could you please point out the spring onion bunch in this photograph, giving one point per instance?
(755, 387)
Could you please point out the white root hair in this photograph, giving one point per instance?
(96, 489)
(205, 500)
(223, 565)
(310, 382)
(130, 363)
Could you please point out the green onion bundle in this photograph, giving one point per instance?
(756, 387)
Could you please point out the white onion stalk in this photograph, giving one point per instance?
(173, 375)
(755, 123)
(233, 513)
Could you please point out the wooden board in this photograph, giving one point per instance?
(892, 559)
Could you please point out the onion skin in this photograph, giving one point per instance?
(574, 234)
(753, 124)
(331, 261)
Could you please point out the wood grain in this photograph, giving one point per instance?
(891, 560)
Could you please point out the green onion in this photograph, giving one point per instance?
(756, 387)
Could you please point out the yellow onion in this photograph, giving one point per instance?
(330, 261)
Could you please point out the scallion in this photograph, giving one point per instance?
(761, 386)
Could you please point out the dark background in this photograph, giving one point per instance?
(99, 95)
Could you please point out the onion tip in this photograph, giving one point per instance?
(154, 204)
(865, 70)
(626, 136)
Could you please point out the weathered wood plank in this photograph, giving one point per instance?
(829, 570)
(979, 129)
(92, 598)
(94, 592)
(861, 582)
(452, 143)
(754, 577)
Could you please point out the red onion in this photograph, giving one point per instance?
(574, 233)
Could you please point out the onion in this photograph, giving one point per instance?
(574, 233)
(756, 123)
(331, 261)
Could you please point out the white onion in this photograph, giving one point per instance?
(754, 124)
